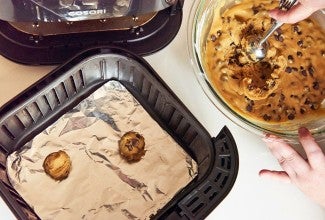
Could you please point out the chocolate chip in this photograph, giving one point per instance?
(213, 38)
(322, 53)
(295, 69)
(234, 77)
(288, 69)
(316, 85)
(303, 72)
(302, 111)
(255, 10)
(300, 43)
(299, 54)
(267, 117)
(291, 116)
(307, 101)
(294, 96)
(276, 66)
(219, 33)
(290, 58)
(272, 94)
(130, 146)
(249, 108)
(295, 28)
(311, 70)
(135, 142)
(279, 38)
(314, 106)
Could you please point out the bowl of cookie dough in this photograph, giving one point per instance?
(279, 94)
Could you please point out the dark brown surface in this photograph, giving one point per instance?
(102, 25)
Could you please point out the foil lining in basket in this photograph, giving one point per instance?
(101, 184)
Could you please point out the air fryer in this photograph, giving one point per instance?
(49, 32)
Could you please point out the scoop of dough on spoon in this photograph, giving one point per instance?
(258, 47)
(257, 50)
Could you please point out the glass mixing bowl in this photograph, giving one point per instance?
(199, 24)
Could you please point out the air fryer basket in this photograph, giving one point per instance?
(44, 102)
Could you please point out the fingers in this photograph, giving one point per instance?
(315, 155)
(276, 175)
(290, 161)
(295, 14)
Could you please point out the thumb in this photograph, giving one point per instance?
(296, 13)
(277, 175)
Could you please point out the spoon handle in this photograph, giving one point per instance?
(275, 26)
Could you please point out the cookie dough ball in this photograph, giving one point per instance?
(131, 146)
(57, 165)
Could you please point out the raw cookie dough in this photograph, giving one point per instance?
(57, 165)
(131, 146)
(288, 84)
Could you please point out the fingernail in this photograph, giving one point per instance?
(261, 172)
(266, 137)
(303, 132)
(269, 137)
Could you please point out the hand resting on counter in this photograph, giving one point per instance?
(308, 175)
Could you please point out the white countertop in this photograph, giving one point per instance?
(252, 197)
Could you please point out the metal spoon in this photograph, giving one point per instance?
(258, 46)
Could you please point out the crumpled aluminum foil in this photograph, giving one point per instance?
(101, 184)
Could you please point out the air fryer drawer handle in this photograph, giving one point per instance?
(205, 197)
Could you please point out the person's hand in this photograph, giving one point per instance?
(308, 176)
(302, 10)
